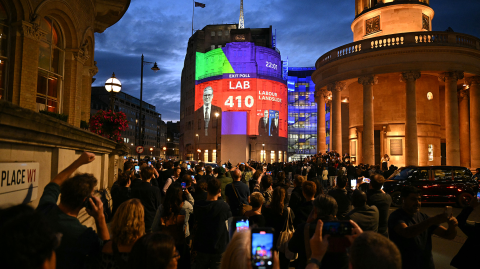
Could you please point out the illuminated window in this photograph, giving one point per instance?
(272, 156)
(3, 49)
(50, 66)
(212, 33)
(214, 156)
(262, 156)
(212, 47)
(205, 156)
(280, 156)
(219, 46)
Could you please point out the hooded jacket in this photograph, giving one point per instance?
(211, 234)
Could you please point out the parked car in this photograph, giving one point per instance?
(438, 184)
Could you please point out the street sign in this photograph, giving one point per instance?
(18, 182)
(139, 149)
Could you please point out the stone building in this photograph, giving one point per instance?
(130, 105)
(47, 63)
(413, 93)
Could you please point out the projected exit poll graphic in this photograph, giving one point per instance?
(243, 77)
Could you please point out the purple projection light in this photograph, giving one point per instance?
(234, 123)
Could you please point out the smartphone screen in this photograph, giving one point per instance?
(193, 177)
(223, 165)
(242, 224)
(149, 163)
(478, 195)
(184, 186)
(337, 228)
(262, 244)
(353, 183)
(188, 166)
(137, 168)
(366, 180)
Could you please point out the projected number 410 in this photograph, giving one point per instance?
(248, 101)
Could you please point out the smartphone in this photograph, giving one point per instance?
(448, 211)
(184, 186)
(137, 168)
(243, 163)
(124, 157)
(353, 183)
(337, 228)
(87, 204)
(193, 177)
(262, 244)
(366, 180)
(478, 195)
(149, 163)
(188, 166)
(223, 165)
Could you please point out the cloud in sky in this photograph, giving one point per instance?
(305, 30)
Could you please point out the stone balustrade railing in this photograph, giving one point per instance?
(400, 40)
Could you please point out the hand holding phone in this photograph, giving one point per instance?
(184, 186)
(137, 168)
(262, 244)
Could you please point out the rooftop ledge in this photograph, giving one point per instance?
(412, 39)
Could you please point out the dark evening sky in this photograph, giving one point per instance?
(306, 29)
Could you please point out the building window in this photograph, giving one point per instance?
(214, 156)
(262, 156)
(219, 46)
(272, 156)
(50, 67)
(280, 156)
(212, 47)
(212, 33)
(205, 156)
(219, 33)
(3, 49)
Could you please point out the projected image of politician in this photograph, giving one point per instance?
(263, 124)
(208, 110)
(274, 125)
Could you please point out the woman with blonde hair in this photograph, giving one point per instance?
(126, 227)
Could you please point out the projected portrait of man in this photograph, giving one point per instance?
(208, 110)
(274, 126)
(263, 124)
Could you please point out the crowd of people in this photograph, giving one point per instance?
(171, 215)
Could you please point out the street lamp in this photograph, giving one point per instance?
(140, 129)
(113, 86)
(216, 138)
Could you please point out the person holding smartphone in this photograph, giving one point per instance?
(412, 230)
(467, 255)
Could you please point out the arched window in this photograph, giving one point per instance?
(50, 67)
(3, 49)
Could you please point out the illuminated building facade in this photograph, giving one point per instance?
(234, 97)
(413, 93)
(302, 114)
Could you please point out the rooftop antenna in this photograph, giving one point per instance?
(241, 23)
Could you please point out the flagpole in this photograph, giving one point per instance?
(193, 14)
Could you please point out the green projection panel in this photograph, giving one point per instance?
(212, 63)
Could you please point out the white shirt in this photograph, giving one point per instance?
(209, 106)
(168, 183)
(265, 121)
(276, 122)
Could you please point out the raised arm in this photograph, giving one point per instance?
(414, 230)
(85, 158)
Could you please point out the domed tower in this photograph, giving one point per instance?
(374, 18)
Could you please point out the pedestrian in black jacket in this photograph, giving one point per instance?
(467, 255)
(296, 198)
(377, 197)
(149, 195)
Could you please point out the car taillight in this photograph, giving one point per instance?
(459, 189)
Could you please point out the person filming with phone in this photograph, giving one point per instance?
(80, 245)
(412, 230)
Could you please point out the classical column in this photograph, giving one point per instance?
(368, 144)
(328, 103)
(474, 83)
(336, 115)
(411, 135)
(451, 116)
(464, 119)
(321, 131)
(359, 147)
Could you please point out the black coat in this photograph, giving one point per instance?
(466, 256)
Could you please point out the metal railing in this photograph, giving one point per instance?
(411, 39)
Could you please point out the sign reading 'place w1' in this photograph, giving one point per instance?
(18, 182)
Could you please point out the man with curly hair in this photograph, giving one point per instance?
(80, 244)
